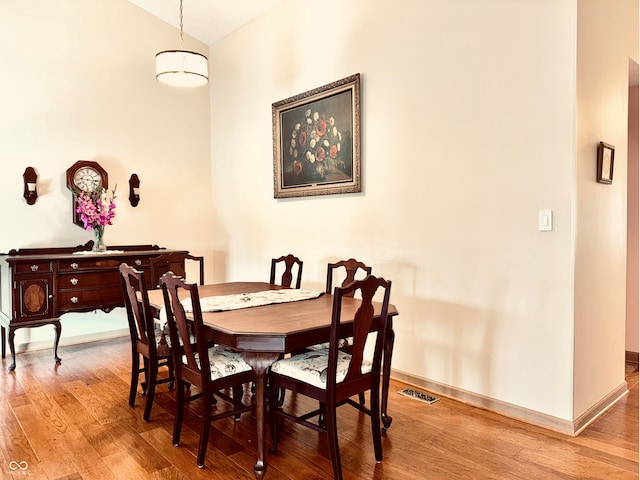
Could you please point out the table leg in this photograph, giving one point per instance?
(386, 375)
(260, 362)
(3, 334)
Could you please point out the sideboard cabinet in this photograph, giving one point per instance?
(38, 285)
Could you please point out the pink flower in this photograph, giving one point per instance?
(96, 211)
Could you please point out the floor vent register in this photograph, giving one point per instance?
(418, 395)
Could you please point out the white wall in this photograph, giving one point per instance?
(468, 128)
(607, 39)
(79, 82)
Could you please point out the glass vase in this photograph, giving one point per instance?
(98, 242)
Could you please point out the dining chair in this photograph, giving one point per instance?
(347, 270)
(333, 376)
(289, 262)
(176, 263)
(350, 269)
(154, 350)
(209, 369)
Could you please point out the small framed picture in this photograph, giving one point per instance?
(605, 163)
(316, 141)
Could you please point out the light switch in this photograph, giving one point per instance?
(545, 220)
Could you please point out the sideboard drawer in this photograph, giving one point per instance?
(110, 296)
(81, 280)
(102, 263)
(84, 263)
(33, 267)
(138, 263)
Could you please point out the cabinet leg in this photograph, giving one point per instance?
(58, 327)
(386, 375)
(12, 349)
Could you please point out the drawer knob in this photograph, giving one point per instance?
(34, 268)
(74, 266)
(74, 281)
(138, 262)
(74, 299)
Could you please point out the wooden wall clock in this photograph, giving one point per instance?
(86, 176)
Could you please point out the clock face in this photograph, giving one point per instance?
(84, 176)
(87, 179)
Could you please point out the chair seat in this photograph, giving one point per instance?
(325, 346)
(224, 362)
(311, 367)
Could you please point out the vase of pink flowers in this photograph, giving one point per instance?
(97, 210)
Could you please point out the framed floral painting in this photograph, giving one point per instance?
(316, 141)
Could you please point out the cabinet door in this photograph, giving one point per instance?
(33, 297)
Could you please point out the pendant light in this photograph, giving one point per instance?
(182, 68)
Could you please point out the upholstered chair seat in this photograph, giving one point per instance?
(344, 342)
(223, 362)
(311, 367)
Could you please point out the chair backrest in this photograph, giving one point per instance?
(289, 261)
(136, 302)
(352, 267)
(192, 358)
(174, 262)
(366, 320)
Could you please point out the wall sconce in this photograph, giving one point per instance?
(30, 183)
(134, 190)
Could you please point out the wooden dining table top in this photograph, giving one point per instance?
(280, 327)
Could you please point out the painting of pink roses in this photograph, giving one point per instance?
(316, 141)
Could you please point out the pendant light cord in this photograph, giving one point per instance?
(181, 26)
(181, 68)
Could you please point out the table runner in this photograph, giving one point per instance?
(236, 301)
(91, 252)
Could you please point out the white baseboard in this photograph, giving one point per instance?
(587, 418)
(516, 412)
(71, 340)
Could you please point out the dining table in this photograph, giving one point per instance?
(265, 332)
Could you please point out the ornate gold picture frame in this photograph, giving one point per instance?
(316, 141)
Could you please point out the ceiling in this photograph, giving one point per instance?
(207, 20)
(212, 20)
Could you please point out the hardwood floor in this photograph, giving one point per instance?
(72, 421)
